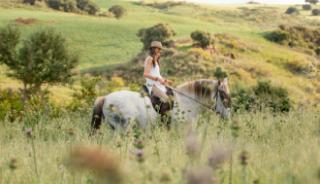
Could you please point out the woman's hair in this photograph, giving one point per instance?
(152, 53)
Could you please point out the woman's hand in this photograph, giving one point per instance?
(168, 81)
(162, 81)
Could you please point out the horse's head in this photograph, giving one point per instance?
(207, 90)
(222, 98)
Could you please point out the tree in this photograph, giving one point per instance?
(160, 32)
(118, 11)
(202, 38)
(42, 59)
(312, 1)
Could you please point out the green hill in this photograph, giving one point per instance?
(102, 41)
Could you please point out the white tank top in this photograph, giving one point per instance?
(155, 72)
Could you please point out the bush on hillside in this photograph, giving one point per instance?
(160, 32)
(312, 1)
(316, 12)
(278, 36)
(74, 6)
(292, 10)
(31, 2)
(306, 7)
(201, 38)
(296, 36)
(11, 104)
(87, 6)
(118, 11)
(63, 5)
(220, 74)
(261, 96)
(163, 5)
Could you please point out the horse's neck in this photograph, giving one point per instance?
(185, 98)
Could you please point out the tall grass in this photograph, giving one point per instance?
(279, 148)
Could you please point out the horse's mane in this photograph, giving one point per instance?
(202, 88)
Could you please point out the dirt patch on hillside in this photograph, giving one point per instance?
(26, 21)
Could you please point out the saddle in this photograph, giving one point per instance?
(158, 105)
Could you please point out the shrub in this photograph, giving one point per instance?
(202, 38)
(297, 66)
(296, 36)
(261, 96)
(243, 99)
(160, 32)
(84, 96)
(200, 53)
(312, 1)
(220, 74)
(74, 6)
(306, 7)
(69, 6)
(276, 98)
(277, 36)
(87, 6)
(316, 12)
(292, 10)
(42, 59)
(54, 4)
(11, 104)
(164, 5)
(118, 11)
(31, 2)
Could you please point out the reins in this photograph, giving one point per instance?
(191, 98)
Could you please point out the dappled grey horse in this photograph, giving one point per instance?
(118, 109)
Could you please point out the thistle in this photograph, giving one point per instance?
(139, 155)
(102, 162)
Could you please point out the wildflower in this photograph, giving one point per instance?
(139, 155)
(202, 175)
(102, 162)
(218, 157)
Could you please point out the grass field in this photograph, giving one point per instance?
(280, 149)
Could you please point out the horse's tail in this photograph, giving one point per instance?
(97, 114)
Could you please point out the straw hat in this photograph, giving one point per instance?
(156, 44)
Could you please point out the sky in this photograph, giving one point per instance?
(245, 1)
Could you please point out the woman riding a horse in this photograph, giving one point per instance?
(156, 85)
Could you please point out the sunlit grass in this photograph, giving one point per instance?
(281, 147)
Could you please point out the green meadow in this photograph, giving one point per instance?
(253, 148)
